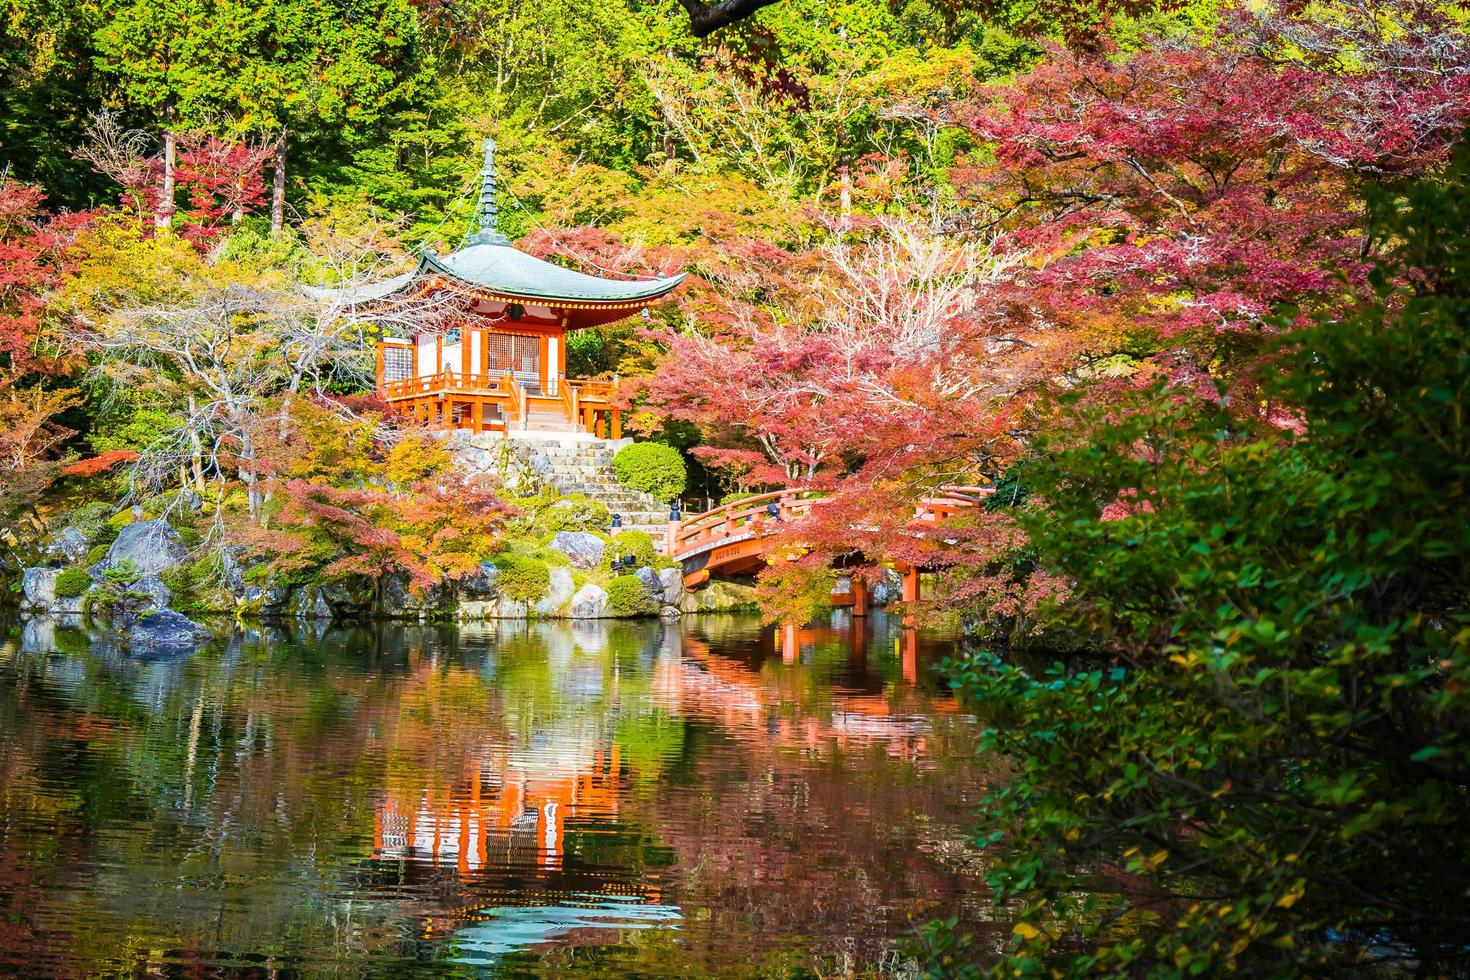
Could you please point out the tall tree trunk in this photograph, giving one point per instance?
(278, 192)
(163, 217)
(196, 450)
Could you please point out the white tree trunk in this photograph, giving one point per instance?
(163, 217)
(278, 191)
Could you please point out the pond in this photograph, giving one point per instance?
(705, 798)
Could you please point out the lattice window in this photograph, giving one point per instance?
(397, 363)
(509, 352)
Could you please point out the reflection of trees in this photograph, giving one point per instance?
(308, 795)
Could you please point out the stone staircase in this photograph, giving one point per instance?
(579, 465)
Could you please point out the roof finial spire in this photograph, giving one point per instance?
(489, 230)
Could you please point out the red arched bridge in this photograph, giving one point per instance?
(737, 538)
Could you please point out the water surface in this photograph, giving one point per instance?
(692, 799)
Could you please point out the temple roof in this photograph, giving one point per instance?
(490, 263)
(506, 271)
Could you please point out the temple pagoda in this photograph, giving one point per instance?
(503, 368)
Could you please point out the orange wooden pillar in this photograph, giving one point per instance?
(790, 644)
(617, 424)
(910, 576)
(910, 583)
(477, 420)
(859, 597)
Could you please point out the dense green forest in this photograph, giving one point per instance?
(1183, 284)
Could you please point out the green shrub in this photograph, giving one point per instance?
(522, 577)
(72, 583)
(653, 468)
(98, 553)
(190, 537)
(551, 556)
(730, 498)
(178, 579)
(628, 596)
(574, 513)
(636, 543)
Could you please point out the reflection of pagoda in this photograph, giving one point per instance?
(498, 816)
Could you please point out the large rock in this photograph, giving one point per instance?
(510, 608)
(153, 547)
(560, 591)
(70, 543)
(650, 581)
(671, 586)
(652, 587)
(159, 595)
(38, 592)
(582, 549)
(476, 609)
(309, 604)
(400, 601)
(168, 631)
(590, 602)
(481, 585)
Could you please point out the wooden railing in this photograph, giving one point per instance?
(570, 410)
(516, 404)
(583, 403)
(448, 381)
(602, 392)
(753, 517)
(748, 516)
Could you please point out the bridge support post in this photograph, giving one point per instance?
(671, 537)
(910, 584)
(790, 646)
(859, 597)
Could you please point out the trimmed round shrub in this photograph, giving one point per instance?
(72, 583)
(636, 543)
(522, 578)
(652, 467)
(628, 596)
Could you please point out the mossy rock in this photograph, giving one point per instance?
(90, 519)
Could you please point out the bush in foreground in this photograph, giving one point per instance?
(652, 467)
(1271, 772)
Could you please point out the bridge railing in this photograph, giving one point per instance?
(752, 514)
(744, 516)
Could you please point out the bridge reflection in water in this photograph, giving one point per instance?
(533, 808)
